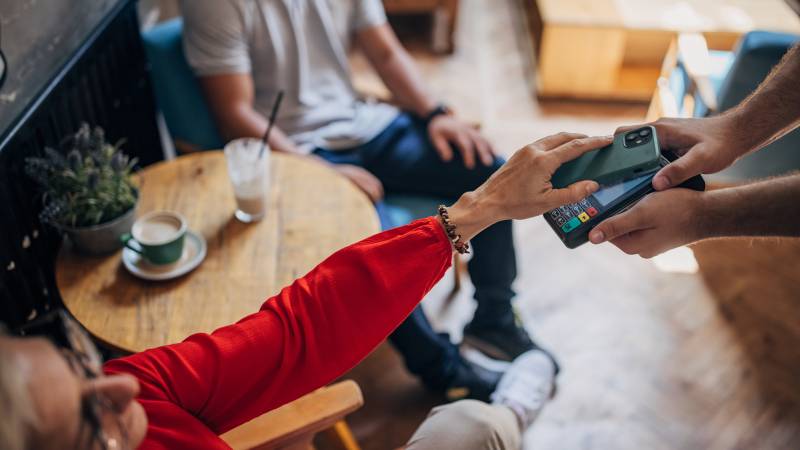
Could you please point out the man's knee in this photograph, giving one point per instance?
(468, 424)
(494, 167)
(484, 172)
(476, 419)
(498, 161)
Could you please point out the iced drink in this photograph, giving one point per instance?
(249, 175)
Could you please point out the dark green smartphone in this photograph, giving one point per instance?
(632, 154)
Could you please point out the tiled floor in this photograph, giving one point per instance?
(661, 353)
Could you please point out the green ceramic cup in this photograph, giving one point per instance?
(158, 236)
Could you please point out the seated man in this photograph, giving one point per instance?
(182, 396)
(244, 52)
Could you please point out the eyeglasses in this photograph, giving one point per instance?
(3, 66)
(84, 359)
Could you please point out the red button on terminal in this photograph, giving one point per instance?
(592, 212)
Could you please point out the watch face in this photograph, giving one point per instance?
(440, 110)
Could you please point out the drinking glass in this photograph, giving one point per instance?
(249, 173)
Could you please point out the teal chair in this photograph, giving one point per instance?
(192, 126)
(734, 75)
(178, 93)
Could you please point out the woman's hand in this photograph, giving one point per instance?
(522, 188)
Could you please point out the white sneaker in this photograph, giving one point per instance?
(526, 386)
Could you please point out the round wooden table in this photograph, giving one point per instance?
(312, 212)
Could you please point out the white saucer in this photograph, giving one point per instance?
(194, 251)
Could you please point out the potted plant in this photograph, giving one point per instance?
(88, 190)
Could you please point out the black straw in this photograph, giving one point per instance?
(272, 117)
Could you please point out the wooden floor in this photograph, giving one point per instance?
(690, 350)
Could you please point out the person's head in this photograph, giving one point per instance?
(56, 397)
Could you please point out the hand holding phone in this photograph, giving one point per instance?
(705, 145)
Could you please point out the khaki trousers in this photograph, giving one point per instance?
(468, 425)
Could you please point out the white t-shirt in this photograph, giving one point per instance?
(299, 46)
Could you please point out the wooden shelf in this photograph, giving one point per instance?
(613, 49)
(633, 83)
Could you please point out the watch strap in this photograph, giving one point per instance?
(439, 110)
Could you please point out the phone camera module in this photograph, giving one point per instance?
(638, 137)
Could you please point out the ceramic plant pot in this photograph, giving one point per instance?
(102, 238)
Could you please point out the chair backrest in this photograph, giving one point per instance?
(177, 90)
(756, 54)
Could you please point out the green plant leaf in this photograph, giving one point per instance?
(91, 185)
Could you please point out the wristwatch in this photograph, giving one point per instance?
(440, 110)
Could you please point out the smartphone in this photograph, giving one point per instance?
(631, 155)
(572, 223)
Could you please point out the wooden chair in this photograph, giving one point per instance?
(445, 13)
(294, 426)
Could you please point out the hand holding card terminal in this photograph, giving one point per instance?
(573, 222)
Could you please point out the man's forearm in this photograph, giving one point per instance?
(231, 98)
(247, 122)
(773, 109)
(405, 82)
(396, 68)
(765, 208)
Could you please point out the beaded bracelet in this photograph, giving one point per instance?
(460, 246)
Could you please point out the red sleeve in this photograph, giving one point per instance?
(309, 334)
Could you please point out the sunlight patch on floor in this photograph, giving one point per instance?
(677, 260)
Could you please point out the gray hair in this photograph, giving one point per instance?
(17, 409)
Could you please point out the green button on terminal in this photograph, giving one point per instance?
(571, 225)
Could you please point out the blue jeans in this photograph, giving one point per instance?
(404, 160)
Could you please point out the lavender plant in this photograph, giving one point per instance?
(91, 185)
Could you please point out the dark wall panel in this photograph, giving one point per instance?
(103, 81)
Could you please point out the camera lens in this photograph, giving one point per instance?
(631, 136)
(645, 132)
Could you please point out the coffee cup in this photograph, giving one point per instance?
(158, 236)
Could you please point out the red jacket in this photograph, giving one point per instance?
(301, 339)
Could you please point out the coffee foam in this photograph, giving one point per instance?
(158, 230)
